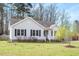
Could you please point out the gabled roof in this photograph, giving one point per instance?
(45, 23)
(14, 20)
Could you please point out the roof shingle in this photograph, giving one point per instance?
(17, 19)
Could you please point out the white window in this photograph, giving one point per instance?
(35, 32)
(39, 32)
(22, 32)
(32, 32)
(19, 32)
(45, 32)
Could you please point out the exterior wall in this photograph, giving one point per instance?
(53, 28)
(50, 36)
(28, 25)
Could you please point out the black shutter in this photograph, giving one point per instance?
(15, 32)
(25, 32)
(30, 32)
(39, 32)
(22, 32)
(44, 33)
(51, 33)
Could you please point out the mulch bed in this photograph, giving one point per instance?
(70, 46)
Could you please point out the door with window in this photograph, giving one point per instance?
(45, 32)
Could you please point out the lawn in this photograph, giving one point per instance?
(38, 49)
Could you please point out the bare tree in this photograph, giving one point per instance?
(53, 13)
(48, 13)
(39, 12)
(1, 17)
(64, 19)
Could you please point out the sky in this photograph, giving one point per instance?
(72, 9)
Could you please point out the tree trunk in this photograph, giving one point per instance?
(2, 24)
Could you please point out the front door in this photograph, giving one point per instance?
(46, 34)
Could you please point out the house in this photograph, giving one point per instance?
(28, 28)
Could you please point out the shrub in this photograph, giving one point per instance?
(3, 39)
(55, 40)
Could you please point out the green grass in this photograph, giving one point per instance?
(38, 49)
